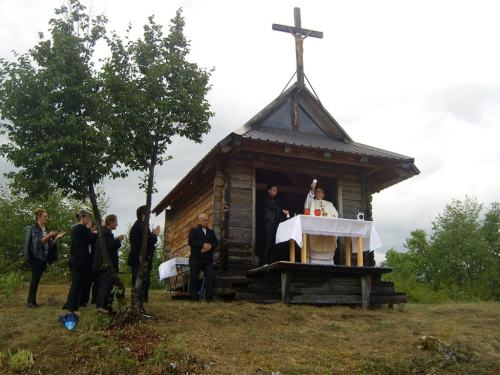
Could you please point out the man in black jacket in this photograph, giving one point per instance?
(135, 252)
(104, 300)
(203, 243)
(272, 212)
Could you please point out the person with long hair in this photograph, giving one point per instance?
(80, 260)
(40, 248)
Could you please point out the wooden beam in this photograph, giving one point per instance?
(297, 30)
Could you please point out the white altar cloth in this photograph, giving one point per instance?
(329, 226)
(169, 268)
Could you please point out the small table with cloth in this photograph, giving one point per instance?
(173, 268)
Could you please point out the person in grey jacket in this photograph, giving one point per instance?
(40, 247)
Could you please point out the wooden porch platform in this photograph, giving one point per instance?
(313, 284)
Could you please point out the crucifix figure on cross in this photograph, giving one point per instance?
(300, 34)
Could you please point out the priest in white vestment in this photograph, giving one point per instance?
(320, 249)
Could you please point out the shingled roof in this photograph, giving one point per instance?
(384, 167)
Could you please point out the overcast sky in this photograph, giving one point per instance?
(417, 78)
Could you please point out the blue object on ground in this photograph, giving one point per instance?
(69, 320)
(202, 288)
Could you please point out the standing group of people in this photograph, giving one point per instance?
(86, 260)
(87, 264)
(321, 249)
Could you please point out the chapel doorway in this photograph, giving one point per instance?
(292, 192)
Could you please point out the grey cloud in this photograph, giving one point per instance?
(471, 103)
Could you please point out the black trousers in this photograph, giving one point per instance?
(196, 265)
(270, 229)
(104, 296)
(146, 281)
(37, 267)
(92, 283)
(78, 280)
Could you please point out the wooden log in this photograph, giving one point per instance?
(377, 299)
(241, 184)
(326, 289)
(257, 297)
(325, 300)
(285, 286)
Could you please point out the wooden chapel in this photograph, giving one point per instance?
(290, 142)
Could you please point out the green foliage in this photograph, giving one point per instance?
(123, 253)
(152, 93)
(7, 284)
(156, 93)
(21, 361)
(461, 261)
(56, 138)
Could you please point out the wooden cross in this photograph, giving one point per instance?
(300, 34)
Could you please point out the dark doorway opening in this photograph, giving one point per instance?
(292, 192)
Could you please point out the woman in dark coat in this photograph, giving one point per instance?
(40, 247)
(80, 261)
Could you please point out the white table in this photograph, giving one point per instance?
(169, 268)
(174, 267)
(297, 229)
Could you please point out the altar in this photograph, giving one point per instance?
(299, 227)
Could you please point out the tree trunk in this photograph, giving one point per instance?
(145, 228)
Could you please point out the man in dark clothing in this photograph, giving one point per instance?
(105, 296)
(135, 252)
(203, 243)
(92, 284)
(271, 220)
(79, 262)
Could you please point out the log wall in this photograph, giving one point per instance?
(183, 215)
(237, 223)
(227, 194)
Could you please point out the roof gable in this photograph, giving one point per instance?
(313, 117)
(317, 132)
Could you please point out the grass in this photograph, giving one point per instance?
(246, 338)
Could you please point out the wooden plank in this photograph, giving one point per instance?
(238, 207)
(382, 290)
(325, 300)
(235, 214)
(392, 298)
(257, 297)
(241, 176)
(240, 184)
(237, 198)
(352, 196)
(326, 290)
(295, 30)
(243, 223)
(303, 280)
(296, 165)
(366, 283)
(237, 167)
(264, 287)
(286, 278)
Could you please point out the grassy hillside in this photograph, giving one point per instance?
(246, 338)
